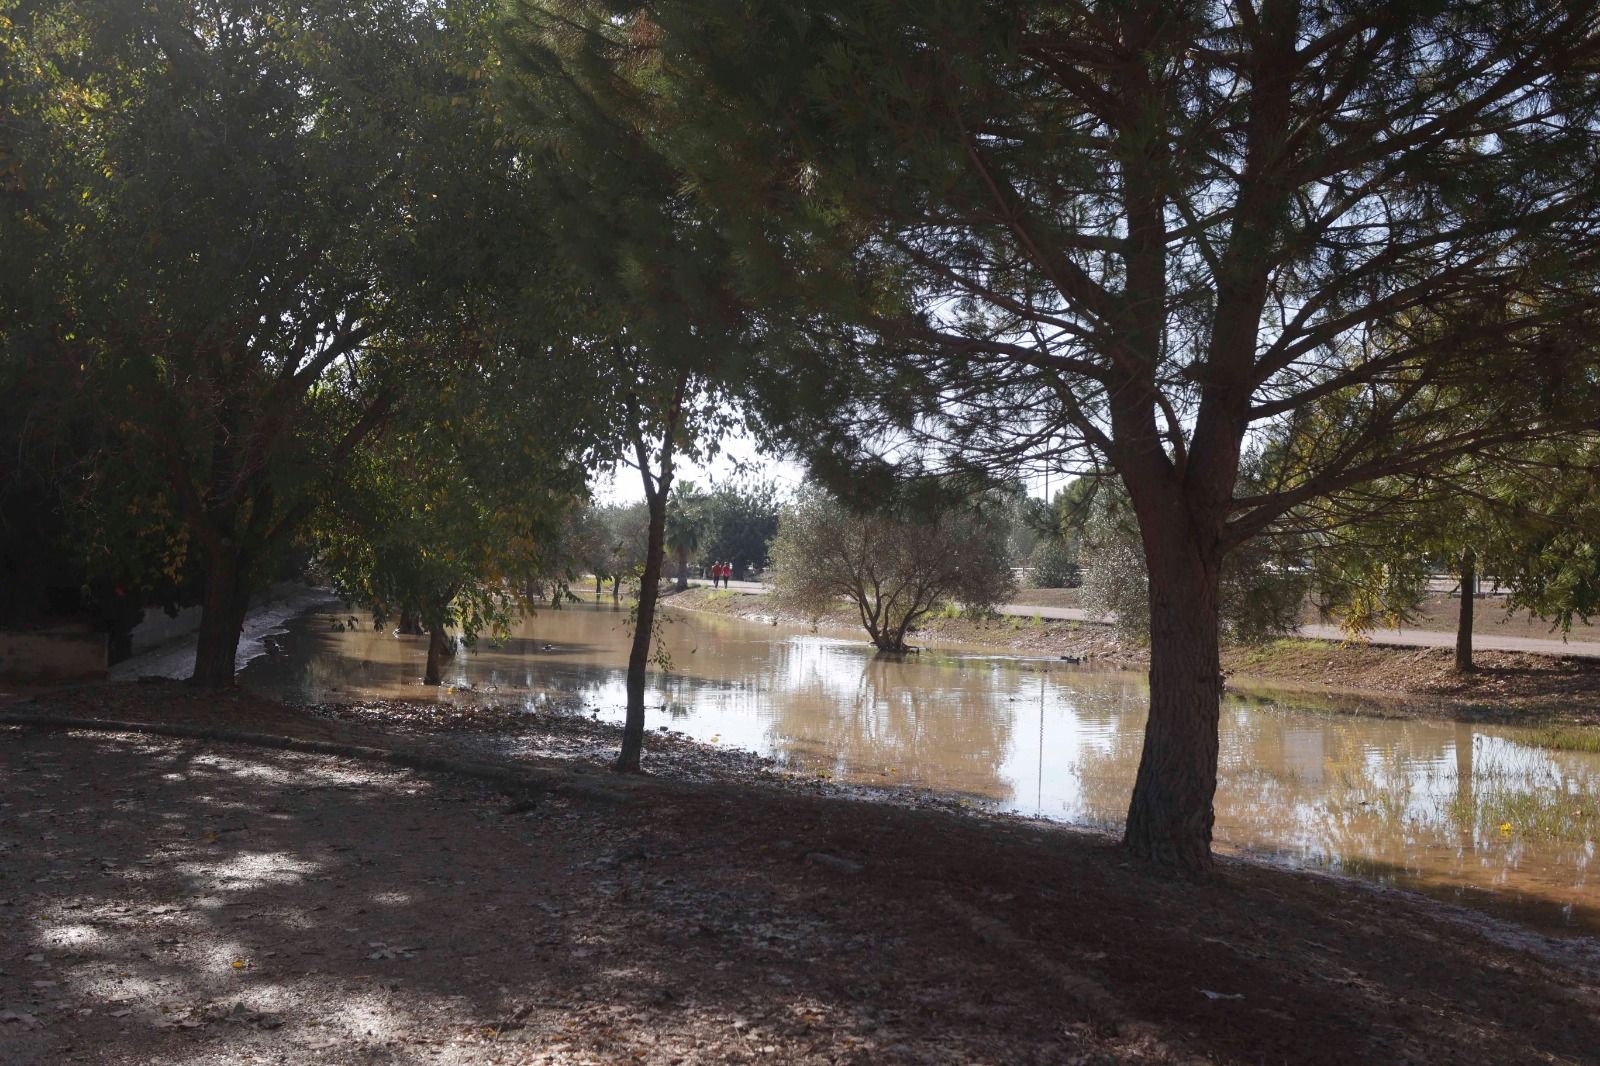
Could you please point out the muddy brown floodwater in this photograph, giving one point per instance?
(1471, 813)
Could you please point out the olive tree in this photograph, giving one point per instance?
(1260, 593)
(894, 568)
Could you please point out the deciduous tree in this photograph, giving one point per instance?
(455, 512)
(252, 226)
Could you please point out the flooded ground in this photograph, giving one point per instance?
(1464, 811)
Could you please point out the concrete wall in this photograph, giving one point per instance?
(57, 654)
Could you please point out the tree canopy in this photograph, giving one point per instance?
(251, 228)
(894, 564)
(1133, 237)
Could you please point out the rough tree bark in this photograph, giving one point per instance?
(1170, 816)
(225, 602)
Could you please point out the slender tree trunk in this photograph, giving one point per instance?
(1171, 814)
(643, 632)
(598, 582)
(221, 620)
(683, 571)
(1469, 595)
(616, 588)
(657, 486)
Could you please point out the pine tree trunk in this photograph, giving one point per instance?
(221, 620)
(1469, 594)
(643, 632)
(1171, 814)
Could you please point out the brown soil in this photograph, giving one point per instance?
(1411, 682)
(1422, 682)
(173, 901)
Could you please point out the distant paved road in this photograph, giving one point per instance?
(751, 587)
(1400, 638)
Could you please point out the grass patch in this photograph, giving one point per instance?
(1564, 738)
(1506, 810)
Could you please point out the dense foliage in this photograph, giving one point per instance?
(740, 519)
(453, 519)
(893, 567)
(248, 230)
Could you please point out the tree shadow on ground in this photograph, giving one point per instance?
(179, 902)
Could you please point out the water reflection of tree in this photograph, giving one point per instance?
(937, 726)
(1326, 789)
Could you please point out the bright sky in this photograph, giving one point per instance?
(737, 455)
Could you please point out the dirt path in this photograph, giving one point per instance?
(180, 902)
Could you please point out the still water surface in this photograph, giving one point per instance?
(1468, 812)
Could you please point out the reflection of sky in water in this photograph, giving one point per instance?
(1401, 801)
